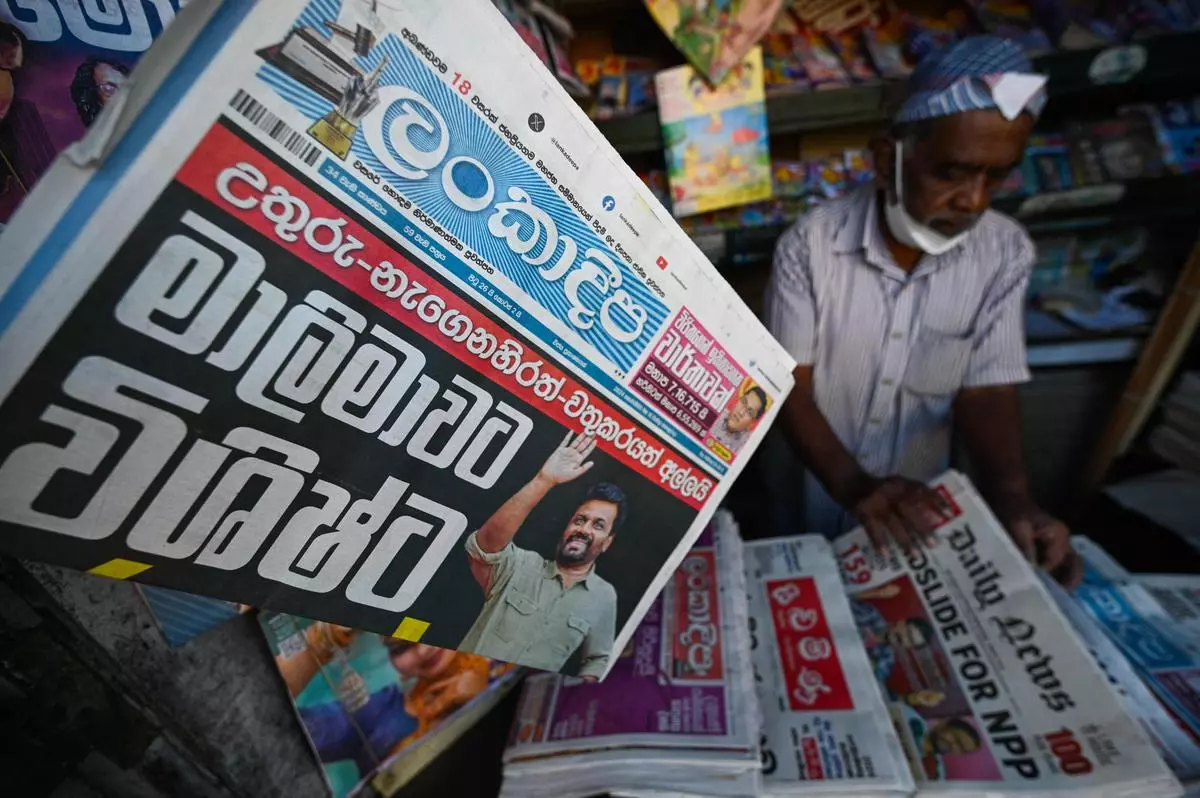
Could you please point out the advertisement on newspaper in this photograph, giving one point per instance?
(61, 62)
(677, 684)
(324, 334)
(824, 719)
(1157, 644)
(370, 703)
(988, 686)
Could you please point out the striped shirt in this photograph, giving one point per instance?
(889, 349)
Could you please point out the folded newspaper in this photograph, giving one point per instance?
(990, 689)
(1149, 621)
(348, 311)
(826, 729)
(677, 714)
(376, 709)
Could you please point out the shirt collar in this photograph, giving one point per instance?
(861, 233)
(552, 573)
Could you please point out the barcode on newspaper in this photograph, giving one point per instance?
(276, 128)
(292, 645)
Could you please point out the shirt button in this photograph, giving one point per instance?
(896, 336)
(873, 421)
(886, 381)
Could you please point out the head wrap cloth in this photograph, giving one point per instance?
(976, 73)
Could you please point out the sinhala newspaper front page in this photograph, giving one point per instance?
(989, 688)
(346, 310)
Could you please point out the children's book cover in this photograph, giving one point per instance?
(716, 138)
(714, 35)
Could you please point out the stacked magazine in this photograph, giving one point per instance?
(826, 730)
(377, 709)
(988, 687)
(676, 713)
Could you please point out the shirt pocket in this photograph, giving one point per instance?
(938, 362)
(515, 616)
(577, 629)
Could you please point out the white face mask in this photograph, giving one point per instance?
(909, 231)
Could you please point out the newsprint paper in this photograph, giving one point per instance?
(826, 729)
(347, 311)
(989, 687)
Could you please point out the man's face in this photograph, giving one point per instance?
(905, 635)
(12, 55)
(952, 169)
(588, 534)
(108, 79)
(953, 740)
(419, 660)
(745, 412)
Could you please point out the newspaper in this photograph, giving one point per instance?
(376, 709)
(1178, 749)
(676, 713)
(1155, 642)
(990, 690)
(1179, 596)
(826, 729)
(347, 284)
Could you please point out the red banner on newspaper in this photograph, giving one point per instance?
(696, 642)
(809, 658)
(249, 186)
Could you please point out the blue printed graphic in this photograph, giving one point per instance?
(347, 183)
(473, 137)
(1141, 641)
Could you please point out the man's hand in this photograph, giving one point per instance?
(1044, 540)
(567, 462)
(899, 509)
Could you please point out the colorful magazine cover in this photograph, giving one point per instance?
(714, 36)
(371, 704)
(61, 61)
(716, 139)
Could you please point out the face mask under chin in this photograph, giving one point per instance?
(905, 228)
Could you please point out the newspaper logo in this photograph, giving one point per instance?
(809, 661)
(696, 643)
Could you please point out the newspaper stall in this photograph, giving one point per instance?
(349, 312)
(990, 690)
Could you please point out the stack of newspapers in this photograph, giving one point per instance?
(1144, 631)
(676, 714)
(989, 689)
(826, 730)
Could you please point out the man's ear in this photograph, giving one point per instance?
(883, 153)
(607, 542)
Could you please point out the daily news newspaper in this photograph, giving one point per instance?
(826, 729)
(989, 688)
(677, 711)
(346, 310)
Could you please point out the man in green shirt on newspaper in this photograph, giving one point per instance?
(539, 611)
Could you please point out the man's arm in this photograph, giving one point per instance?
(566, 463)
(597, 646)
(989, 420)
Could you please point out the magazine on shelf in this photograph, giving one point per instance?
(716, 137)
(677, 712)
(989, 688)
(376, 709)
(826, 729)
(351, 313)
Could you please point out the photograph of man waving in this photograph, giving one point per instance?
(538, 611)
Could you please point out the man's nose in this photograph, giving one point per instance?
(973, 196)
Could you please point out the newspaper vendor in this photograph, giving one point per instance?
(539, 611)
(903, 304)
